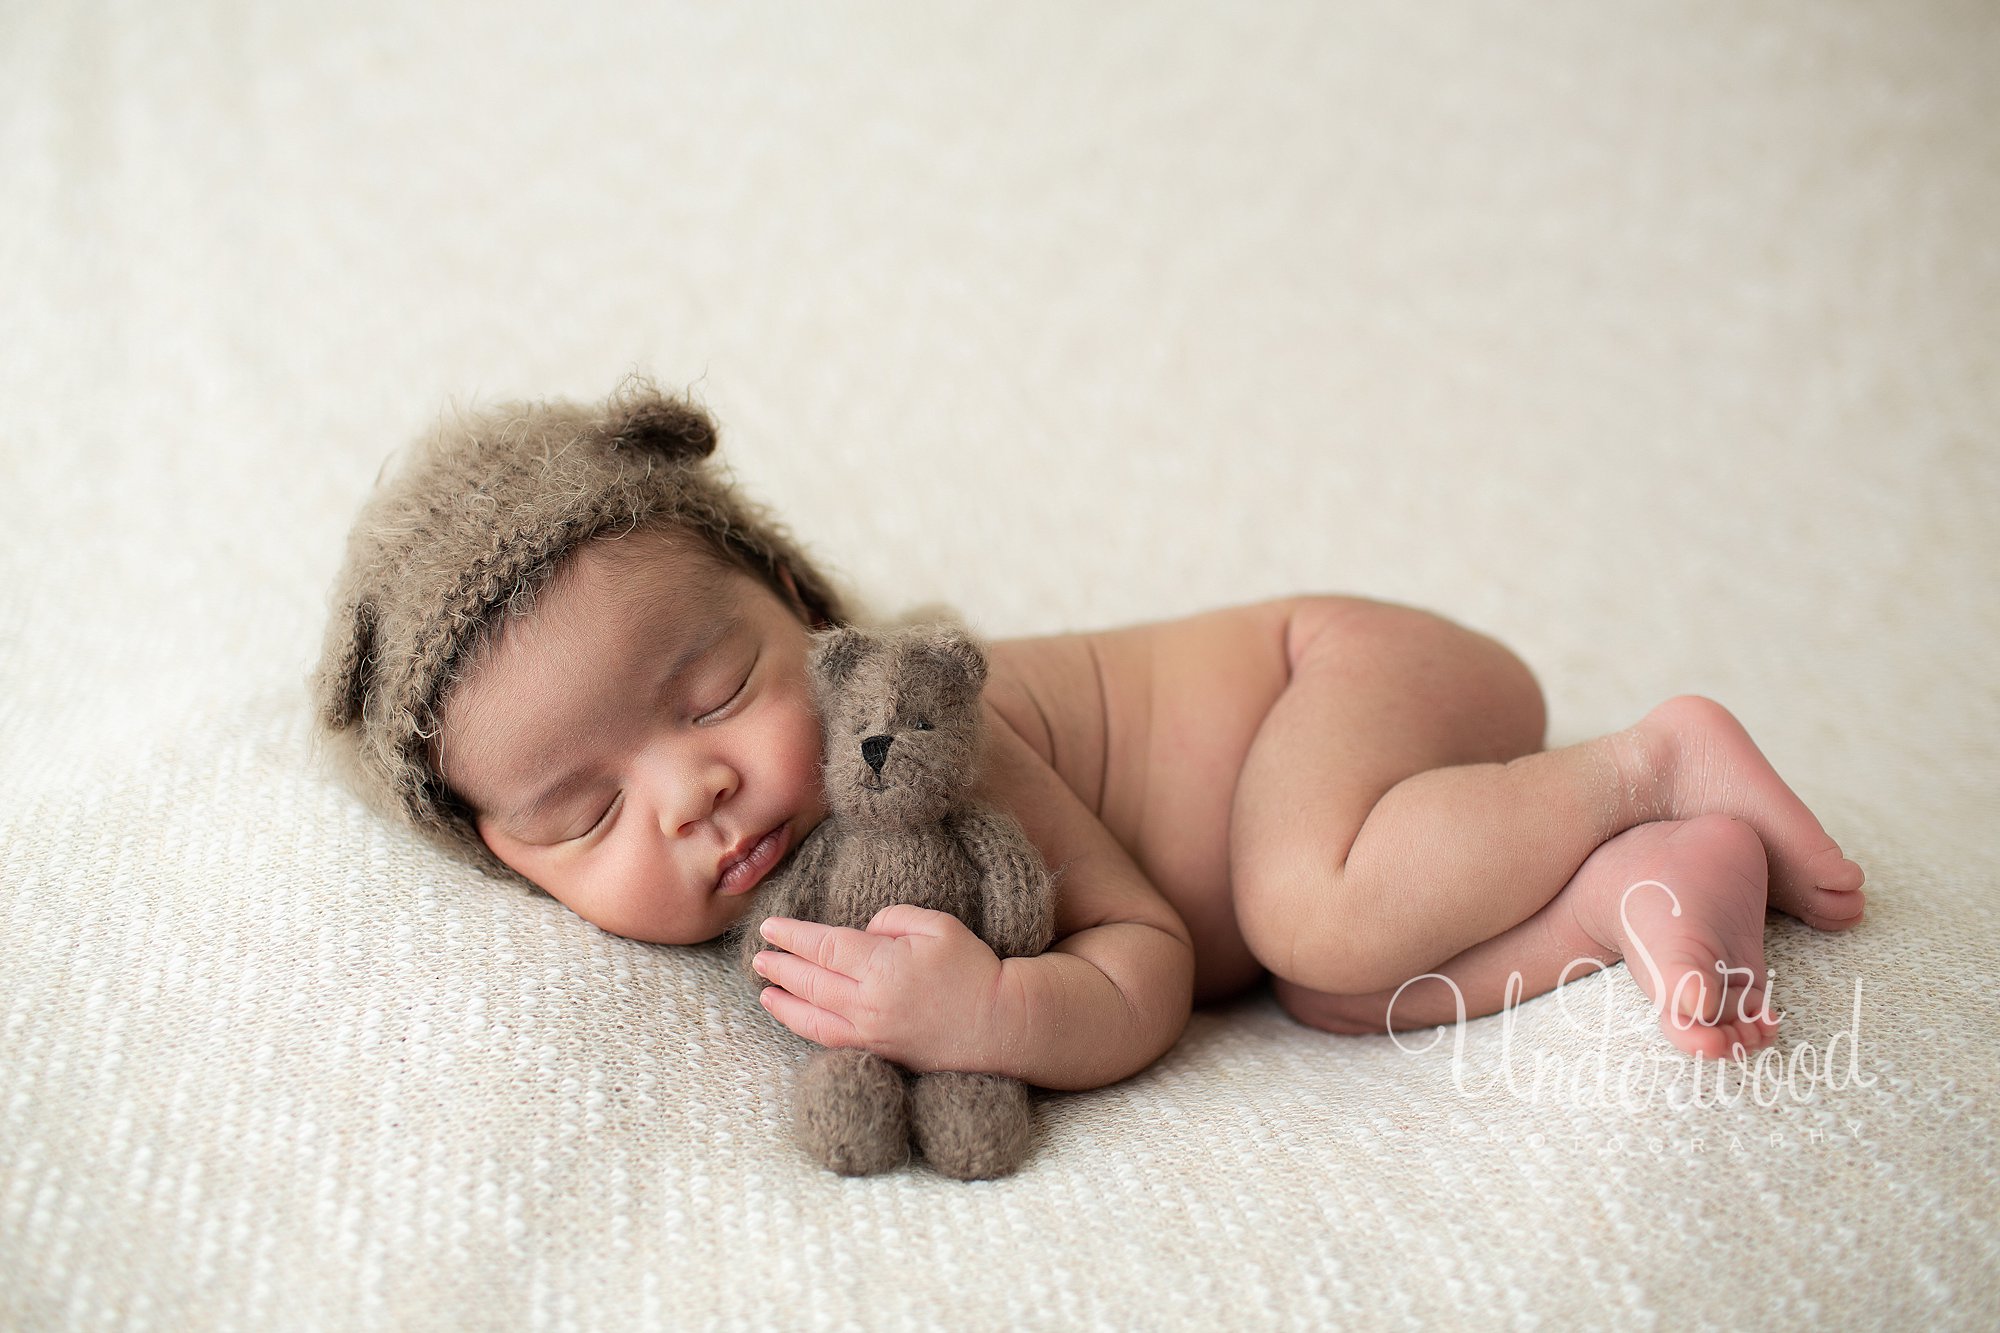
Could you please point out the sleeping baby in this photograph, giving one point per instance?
(566, 648)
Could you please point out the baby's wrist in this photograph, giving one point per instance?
(1003, 1044)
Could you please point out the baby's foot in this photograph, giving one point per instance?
(1706, 763)
(1683, 902)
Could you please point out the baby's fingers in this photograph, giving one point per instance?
(807, 981)
(814, 1024)
(844, 951)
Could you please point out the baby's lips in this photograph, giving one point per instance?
(759, 856)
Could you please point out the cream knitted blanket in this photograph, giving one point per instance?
(1657, 341)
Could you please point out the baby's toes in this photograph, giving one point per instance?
(1697, 1039)
(1720, 1021)
(1748, 1018)
(1692, 998)
(1827, 870)
(1728, 1040)
(1827, 897)
(1829, 909)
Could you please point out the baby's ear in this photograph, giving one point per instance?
(640, 417)
(835, 655)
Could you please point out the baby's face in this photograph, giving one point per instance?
(647, 722)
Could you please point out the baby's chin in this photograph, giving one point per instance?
(714, 931)
(693, 936)
(692, 933)
(739, 907)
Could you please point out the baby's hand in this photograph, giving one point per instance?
(916, 987)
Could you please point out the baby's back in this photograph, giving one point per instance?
(1149, 726)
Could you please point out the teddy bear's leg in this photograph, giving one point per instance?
(851, 1113)
(971, 1126)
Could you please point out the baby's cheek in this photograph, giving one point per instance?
(806, 743)
(804, 758)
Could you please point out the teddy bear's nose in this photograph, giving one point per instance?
(875, 750)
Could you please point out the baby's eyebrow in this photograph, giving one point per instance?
(670, 684)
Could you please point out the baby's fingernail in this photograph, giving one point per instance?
(765, 929)
(758, 962)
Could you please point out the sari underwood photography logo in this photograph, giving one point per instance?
(1632, 1062)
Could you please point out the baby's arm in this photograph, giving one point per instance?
(920, 988)
(1114, 993)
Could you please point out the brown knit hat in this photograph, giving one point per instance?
(477, 516)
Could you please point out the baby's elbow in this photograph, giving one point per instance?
(1178, 965)
(1179, 950)
(1161, 1003)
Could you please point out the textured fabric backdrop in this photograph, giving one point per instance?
(1659, 341)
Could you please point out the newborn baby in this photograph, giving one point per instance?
(566, 649)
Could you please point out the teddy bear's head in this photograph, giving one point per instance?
(901, 713)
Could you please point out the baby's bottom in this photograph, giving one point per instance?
(1380, 831)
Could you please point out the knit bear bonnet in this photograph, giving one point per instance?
(467, 524)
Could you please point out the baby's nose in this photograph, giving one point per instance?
(876, 751)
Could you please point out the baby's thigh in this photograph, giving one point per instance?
(1378, 692)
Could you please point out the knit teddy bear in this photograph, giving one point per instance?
(901, 714)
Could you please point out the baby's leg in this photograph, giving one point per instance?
(1365, 849)
(1682, 901)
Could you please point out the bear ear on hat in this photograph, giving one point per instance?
(640, 417)
(341, 683)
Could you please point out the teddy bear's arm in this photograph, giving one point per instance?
(795, 889)
(1017, 893)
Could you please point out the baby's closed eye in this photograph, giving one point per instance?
(742, 684)
(717, 713)
(601, 821)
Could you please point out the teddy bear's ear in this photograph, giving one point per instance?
(957, 660)
(640, 417)
(835, 654)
